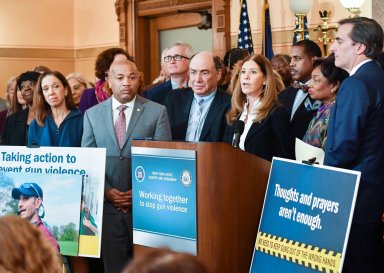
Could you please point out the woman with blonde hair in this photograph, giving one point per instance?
(78, 84)
(25, 248)
(11, 90)
(255, 105)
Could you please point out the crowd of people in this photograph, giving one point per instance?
(332, 102)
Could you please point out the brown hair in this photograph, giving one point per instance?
(268, 97)
(15, 105)
(41, 107)
(25, 248)
(367, 32)
(166, 261)
(105, 59)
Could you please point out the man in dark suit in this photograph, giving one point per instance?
(113, 124)
(296, 101)
(356, 134)
(198, 113)
(176, 64)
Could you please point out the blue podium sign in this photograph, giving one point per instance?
(306, 218)
(164, 198)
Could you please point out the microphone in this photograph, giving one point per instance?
(239, 129)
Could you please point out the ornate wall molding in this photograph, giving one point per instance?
(160, 7)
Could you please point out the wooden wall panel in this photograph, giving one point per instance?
(141, 22)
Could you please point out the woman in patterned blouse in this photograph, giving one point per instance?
(326, 79)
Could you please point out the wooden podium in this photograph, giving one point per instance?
(230, 192)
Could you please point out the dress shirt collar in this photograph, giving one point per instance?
(175, 85)
(353, 71)
(206, 98)
(253, 108)
(116, 103)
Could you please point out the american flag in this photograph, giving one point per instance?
(267, 49)
(245, 34)
(306, 32)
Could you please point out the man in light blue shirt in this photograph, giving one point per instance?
(176, 64)
(198, 113)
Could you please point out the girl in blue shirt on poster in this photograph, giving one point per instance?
(57, 122)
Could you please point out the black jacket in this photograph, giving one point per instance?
(215, 124)
(16, 129)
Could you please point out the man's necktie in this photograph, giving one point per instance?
(196, 116)
(120, 125)
(297, 85)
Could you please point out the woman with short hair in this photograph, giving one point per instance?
(325, 82)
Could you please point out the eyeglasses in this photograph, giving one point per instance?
(175, 58)
(28, 186)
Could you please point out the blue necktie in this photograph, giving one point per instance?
(196, 120)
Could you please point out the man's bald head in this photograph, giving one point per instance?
(121, 62)
(124, 80)
(203, 73)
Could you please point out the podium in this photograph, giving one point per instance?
(231, 186)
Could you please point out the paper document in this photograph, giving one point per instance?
(305, 151)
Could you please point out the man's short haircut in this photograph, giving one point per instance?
(122, 62)
(187, 47)
(310, 48)
(367, 32)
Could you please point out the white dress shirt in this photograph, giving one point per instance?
(300, 97)
(353, 71)
(191, 135)
(127, 111)
(175, 85)
(250, 118)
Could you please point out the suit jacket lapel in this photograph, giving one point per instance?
(108, 120)
(291, 94)
(255, 127)
(185, 103)
(136, 113)
(300, 108)
(214, 109)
